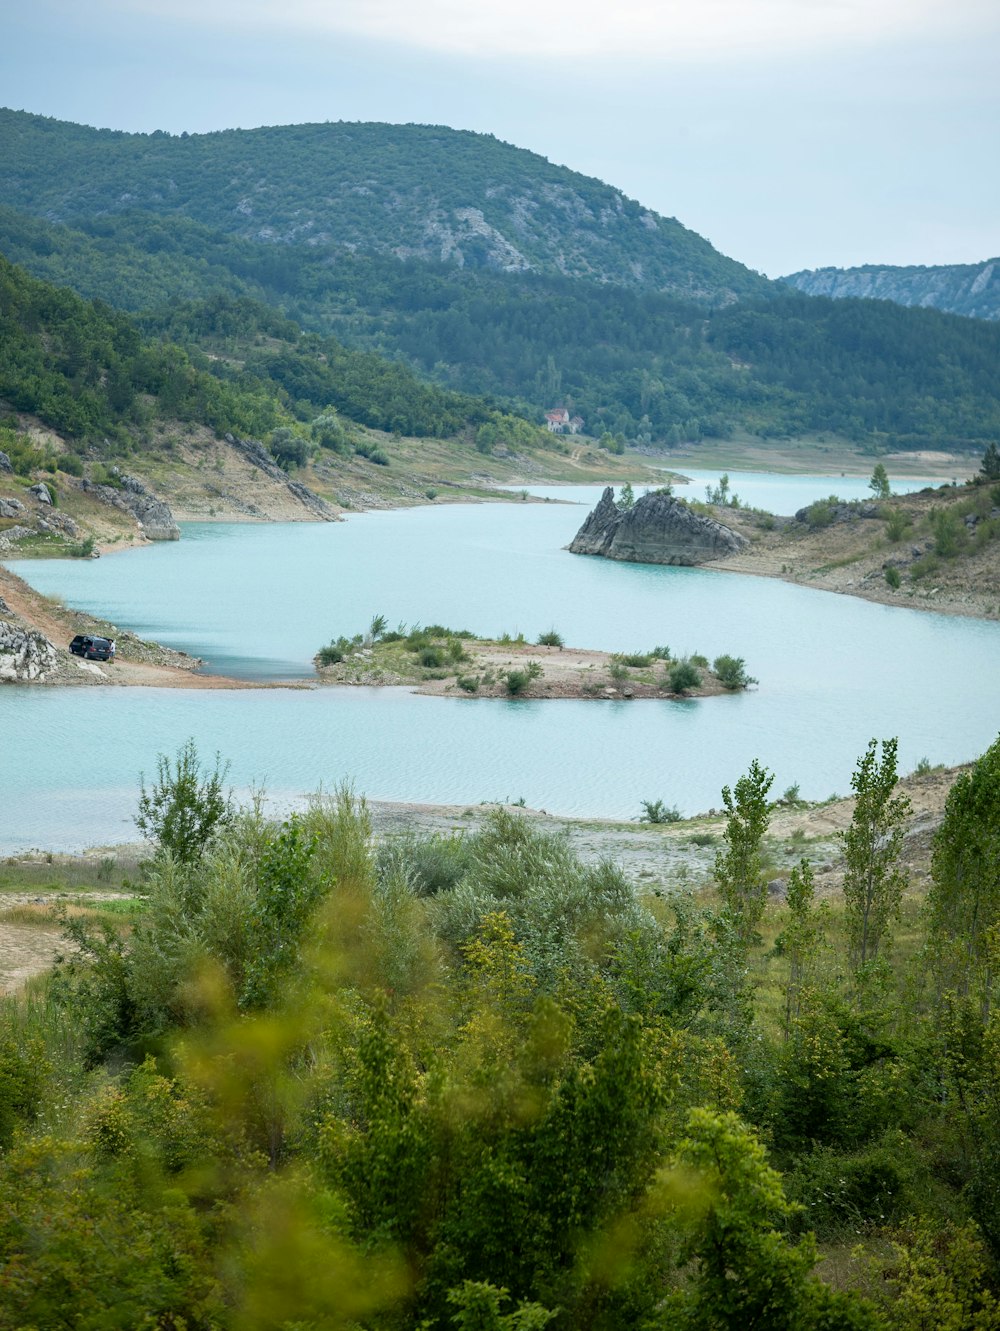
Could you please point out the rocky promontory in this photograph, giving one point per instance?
(656, 529)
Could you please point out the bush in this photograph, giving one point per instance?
(897, 521)
(655, 811)
(185, 805)
(731, 672)
(819, 514)
(71, 464)
(893, 578)
(636, 660)
(468, 683)
(683, 677)
(518, 680)
(366, 450)
(334, 652)
(431, 658)
(551, 639)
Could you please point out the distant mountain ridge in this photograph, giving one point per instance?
(971, 289)
(411, 191)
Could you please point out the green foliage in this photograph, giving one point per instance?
(879, 483)
(518, 681)
(949, 532)
(551, 639)
(289, 448)
(873, 881)
(668, 356)
(964, 898)
(655, 811)
(893, 578)
(819, 514)
(897, 523)
(185, 805)
(990, 467)
(683, 677)
(626, 497)
(731, 672)
(739, 868)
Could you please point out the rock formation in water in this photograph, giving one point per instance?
(26, 656)
(657, 529)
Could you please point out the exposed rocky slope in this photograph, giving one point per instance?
(972, 289)
(657, 529)
(26, 656)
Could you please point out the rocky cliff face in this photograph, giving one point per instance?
(657, 529)
(969, 289)
(152, 515)
(26, 657)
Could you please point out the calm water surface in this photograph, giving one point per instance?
(257, 600)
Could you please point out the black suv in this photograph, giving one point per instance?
(91, 648)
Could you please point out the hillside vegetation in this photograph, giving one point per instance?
(631, 321)
(407, 190)
(300, 1078)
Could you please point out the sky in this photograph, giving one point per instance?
(791, 133)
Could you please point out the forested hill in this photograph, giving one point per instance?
(972, 289)
(91, 372)
(412, 191)
(151, 221)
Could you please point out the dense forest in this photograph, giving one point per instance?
(639, 364)
(305, 1079)
(94, 375)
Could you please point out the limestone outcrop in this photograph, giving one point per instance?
(657, 529)
(26, 656)
(152, 515)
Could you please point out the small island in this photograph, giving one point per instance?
(455, 662)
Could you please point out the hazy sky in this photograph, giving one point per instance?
(791, 133)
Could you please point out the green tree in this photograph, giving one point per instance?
(964, 898)
(879, 483)
(185, 804)
(739, 868)
(627, 496)
(873, 881)
(800, 939)
(990, 467)
(747, 1274)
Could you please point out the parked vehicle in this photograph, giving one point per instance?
(92, 648)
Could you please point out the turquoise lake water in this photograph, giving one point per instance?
(258, 600)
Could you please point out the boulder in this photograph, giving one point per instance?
(5, 463)
(41, 493)
(12, 535)
(9, 508)
(657, 529)
(26, 656)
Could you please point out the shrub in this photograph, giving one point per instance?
(618, 670)
(819, 514)
(697, 659)
(518, 680)
(731, 672)
(185, 805)
(893, 578)
(683, 677)
(655, 811)
(636, 660)
(431, 658)
(71, 464)
(334, 652)
(660, 653)
(551, 639)
(949, 533)
(468, 683)
(366, 450)
(83, 549)
(897, 521)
